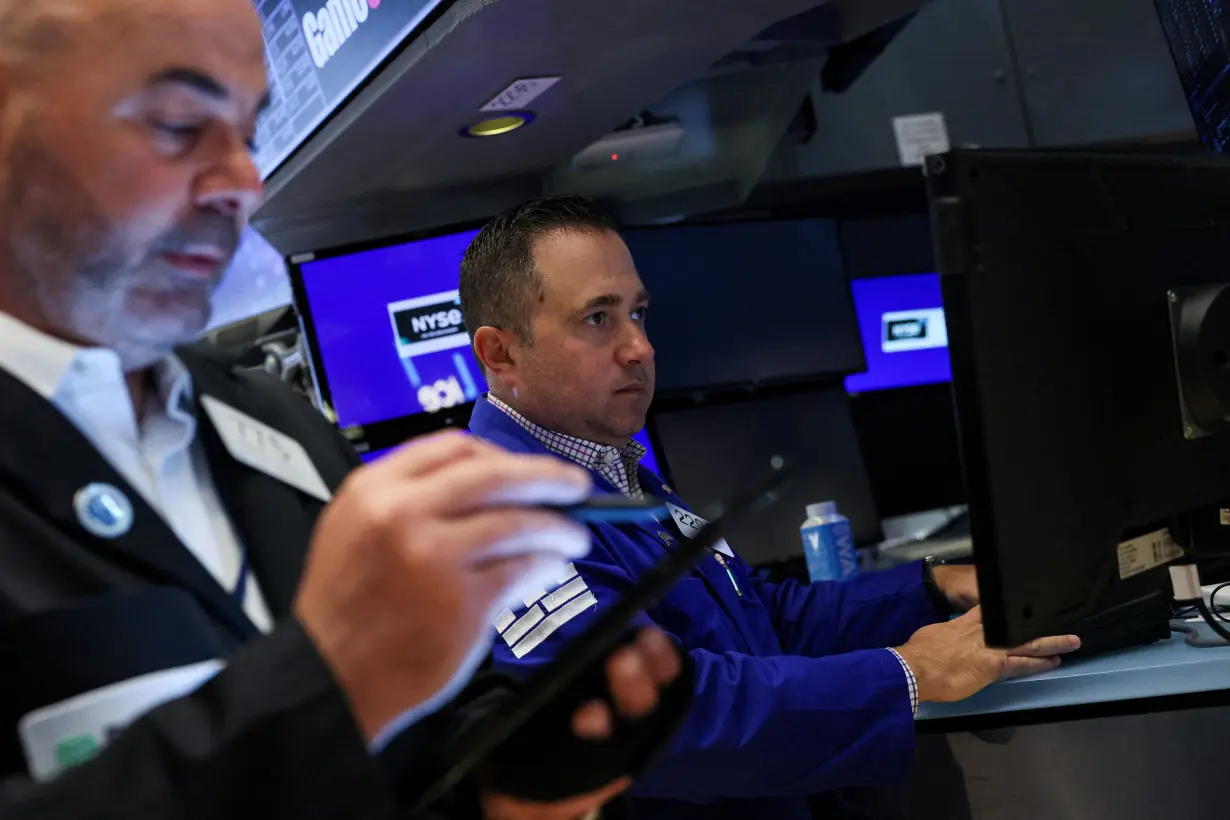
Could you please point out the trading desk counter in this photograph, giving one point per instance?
(1163, 676)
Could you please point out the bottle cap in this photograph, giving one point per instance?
(822, 510)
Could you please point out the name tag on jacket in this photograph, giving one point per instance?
(259, 446)
(71, 732)
(689, 523)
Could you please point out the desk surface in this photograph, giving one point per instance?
(1162, 670)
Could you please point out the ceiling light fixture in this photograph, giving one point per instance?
(505, 123)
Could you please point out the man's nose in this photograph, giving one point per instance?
(636, 348)
(233, 186)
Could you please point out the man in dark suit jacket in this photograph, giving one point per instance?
(169, 644)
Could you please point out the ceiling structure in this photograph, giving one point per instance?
(733, 75)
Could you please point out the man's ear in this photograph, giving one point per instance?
(494, 349)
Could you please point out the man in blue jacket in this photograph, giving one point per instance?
(798, 690)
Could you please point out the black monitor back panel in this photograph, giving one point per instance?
(1056, 274)
(714, 449)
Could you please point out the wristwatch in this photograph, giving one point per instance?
(939, 601)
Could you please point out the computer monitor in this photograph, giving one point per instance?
(383, 326)
(713, 448)
(1089, 333)
(1196, 32)
(747, 304)
(390, 356)
(905, 338)
(902, 405)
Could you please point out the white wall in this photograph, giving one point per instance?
(257, 281)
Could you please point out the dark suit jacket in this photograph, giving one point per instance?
(271, 735)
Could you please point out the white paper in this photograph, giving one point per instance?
(259, 446)
(66, 733)
(520, 93)
(920, 136)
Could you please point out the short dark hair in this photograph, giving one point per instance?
(499, 282)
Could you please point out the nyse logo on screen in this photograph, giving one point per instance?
(330, 28)
(440, 323)
(913, 330)
(429, 324)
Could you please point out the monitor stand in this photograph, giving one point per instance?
(1138, 622)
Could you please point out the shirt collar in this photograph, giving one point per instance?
(54, 368)
(582, 451)
(41, 361)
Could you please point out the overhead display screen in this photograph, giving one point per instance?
(318, 52)
(1196, 31)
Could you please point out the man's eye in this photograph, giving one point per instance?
(596, 319)
(179, 131)
(640, 314)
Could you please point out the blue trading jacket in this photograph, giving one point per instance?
(795, 694)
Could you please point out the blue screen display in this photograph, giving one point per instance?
(905, 336)
(388, 332)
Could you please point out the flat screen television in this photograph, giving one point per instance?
(385, 337)
(747, 304)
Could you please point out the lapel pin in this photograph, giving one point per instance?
(103, 510)
(666, 539)
(667, 490)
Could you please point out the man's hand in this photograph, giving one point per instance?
(959, 585)
(951, 660)
(636, 675)
(408, 561)
(578, 808)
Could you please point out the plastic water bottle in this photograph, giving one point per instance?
(828, 544)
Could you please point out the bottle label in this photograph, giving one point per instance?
(830, 552)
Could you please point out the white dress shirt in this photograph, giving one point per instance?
(159, 455)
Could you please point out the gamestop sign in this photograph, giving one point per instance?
(330, 28)
(317, 53)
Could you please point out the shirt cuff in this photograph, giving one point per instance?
(910, 680)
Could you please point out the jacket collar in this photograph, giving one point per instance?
(490, 423)
(46, 461)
